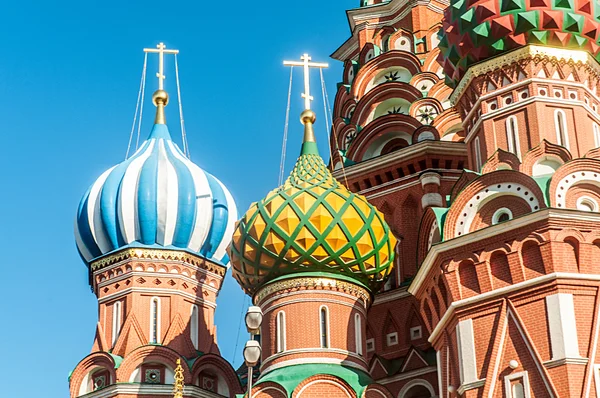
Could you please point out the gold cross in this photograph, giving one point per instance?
(306, 64)
(161, 49)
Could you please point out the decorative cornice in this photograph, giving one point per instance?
(315, 283)
(157, 254)
(530, 51)
(471, 385)
(135, 389)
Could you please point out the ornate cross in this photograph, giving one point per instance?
(306, 64)
(161, 49)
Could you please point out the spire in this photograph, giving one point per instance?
(178, 386)
(160, 98)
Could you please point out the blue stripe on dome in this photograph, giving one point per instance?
(219, 221)
(147, 203)
(109, 199)
(160, 131)
(186, 206)
(83, 225)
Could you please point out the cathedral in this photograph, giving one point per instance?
(446, 250)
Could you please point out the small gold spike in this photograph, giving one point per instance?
(335, 201)
(249, 252)
(320, 253)
(304, 201)
(178, 386)
(274, 204)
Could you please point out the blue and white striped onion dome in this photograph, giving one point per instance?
(157, 198)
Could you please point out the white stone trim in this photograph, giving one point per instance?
(156, 291)
(467, 357)
(498, 213)
(158, 310)
(327, 331)
(391, 295)
(358, 334)
(194, 325)
(591, 201)
(487, 194)
(580, 176)
(560, 124)
(372, 341)
(469, 386)
(117, 320)
(512, 136)
(280, 331)
(553, 363)
(416, 382)
(560, 310)
(391, 339)
(408, 375)
(433, 199)
(514, 376)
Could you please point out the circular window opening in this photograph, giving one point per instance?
(585, 203)
(524, 95)
(543, 92)
(501, 215)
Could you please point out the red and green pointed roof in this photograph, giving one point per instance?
(475, 30)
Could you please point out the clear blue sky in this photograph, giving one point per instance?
(69, 78)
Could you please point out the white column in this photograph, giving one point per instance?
(466, 351)
(561, 322)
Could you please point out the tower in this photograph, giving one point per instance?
(311, 253)
(153, 231)
(498, 223)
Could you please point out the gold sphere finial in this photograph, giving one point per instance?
(308, 116)
(160, 97)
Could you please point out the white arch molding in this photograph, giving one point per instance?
(340, 385)
(415, 383)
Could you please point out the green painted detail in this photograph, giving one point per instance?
(511, 5)
(573, 22)
(117, 360)
(499, 45)
(544, 184)
(309, 148)
(468, 20)
(482, 33)
(440, 216)
(539, 37)
(290, 377)
(566, 4)
(527, 21)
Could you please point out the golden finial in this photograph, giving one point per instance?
(308, 118)
(178, 387)
(160, 97)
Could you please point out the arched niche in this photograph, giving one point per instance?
(545, 166)
(391, 74)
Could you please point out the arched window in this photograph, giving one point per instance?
(324, 318)
(512, 136)
(116, 321)
(560, 122)
(477, 148)
(280, 331)
(358, 334)
(194, 325)
(596, 135)
(155, 320)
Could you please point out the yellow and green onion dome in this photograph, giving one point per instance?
(311, 224)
